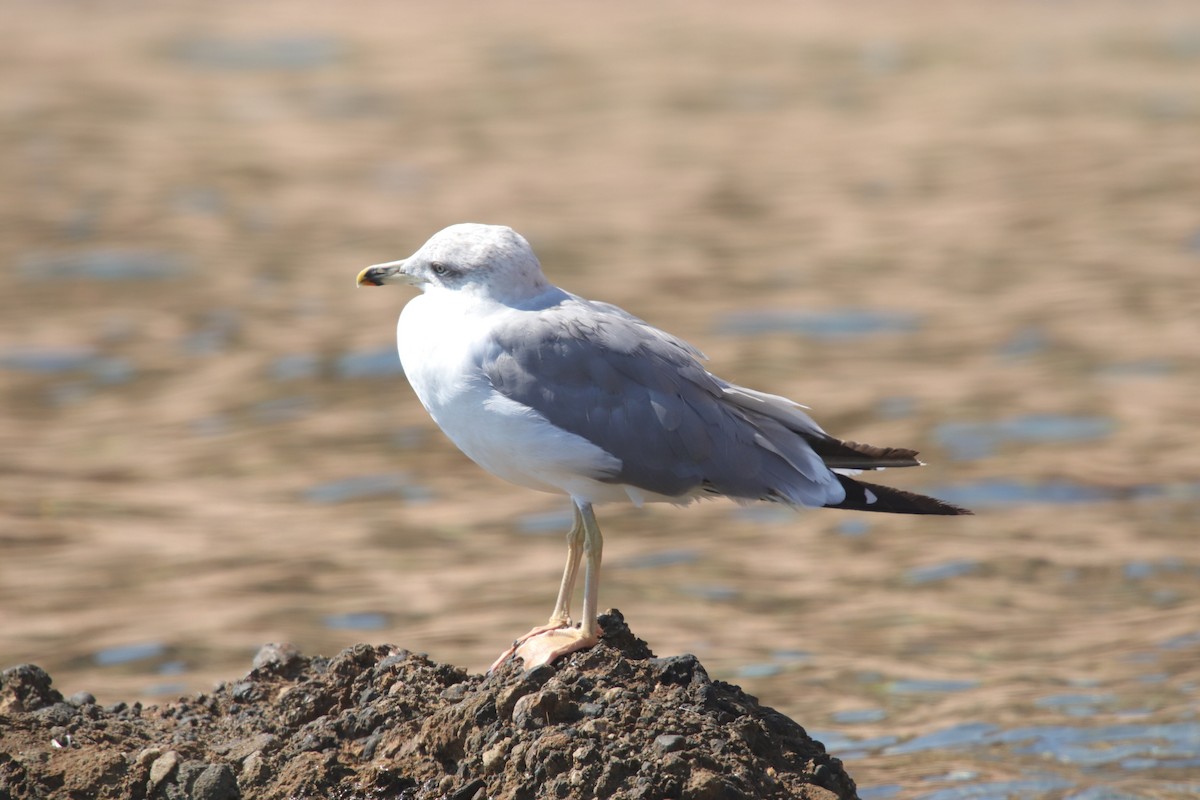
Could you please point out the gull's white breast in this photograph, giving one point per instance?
(441, 338)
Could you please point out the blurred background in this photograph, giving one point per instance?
(970, 228)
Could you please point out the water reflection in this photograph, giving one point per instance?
(994, 492)
(356, 621)
(662, 558)
(845, 323)
(935, 573)
(368, 487)
(379, 362)
(110, 264)
(293, 367)
(128, 653)
(275, 52)
(1001, 790)
(967, 441)
(930, 686)
(1124, 746)
(859, 716)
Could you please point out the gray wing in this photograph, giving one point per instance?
(643, 396)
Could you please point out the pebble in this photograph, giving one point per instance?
(613, 695)
(147, 756)
(82, 699)
(669, 743)
(455, 693)
(681, 669)
(493, 757)
(534, 710)
(275, 655)
(163, 766)
(471, 791)
(539, 675)
(254, 769)
(244, 691)
(215, 782)
(598, 727)
(370, 745)
(390, 661)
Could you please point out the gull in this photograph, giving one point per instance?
(557, 393)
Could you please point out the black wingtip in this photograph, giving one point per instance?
(839, 454)
(884, 499)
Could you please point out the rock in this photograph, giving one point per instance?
(669, 743)
(455, 693)
(26, 688)
(254, 770)
(56, 713)
(276, 657)
(243, 691)
(162, 768)
(683, 670)
(380, 722)
(215, 782)
(493, 757)
(146, 757)
(537, 710)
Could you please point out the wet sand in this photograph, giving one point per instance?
(970, 229)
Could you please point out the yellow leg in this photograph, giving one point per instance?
(558, 637)
(561, 616)
(562, 607)
(593, 548)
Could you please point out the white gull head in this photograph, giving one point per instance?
(491, 262)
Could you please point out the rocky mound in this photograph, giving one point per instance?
(380, 722)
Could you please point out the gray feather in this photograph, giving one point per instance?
(642, 395)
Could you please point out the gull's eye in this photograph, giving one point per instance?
(439, 268)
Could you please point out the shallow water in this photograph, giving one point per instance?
(966, 441)
(847, 323)
(968, 233)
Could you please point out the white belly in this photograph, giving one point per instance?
(508, 439)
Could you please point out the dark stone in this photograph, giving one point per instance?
(215, 782)
(57, 714)
(369, 746)
(682, 670)
(26, 687)
(389, 663)
(538, 675)
(469, 791)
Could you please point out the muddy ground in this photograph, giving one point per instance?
(381, 722)
(969, 228)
